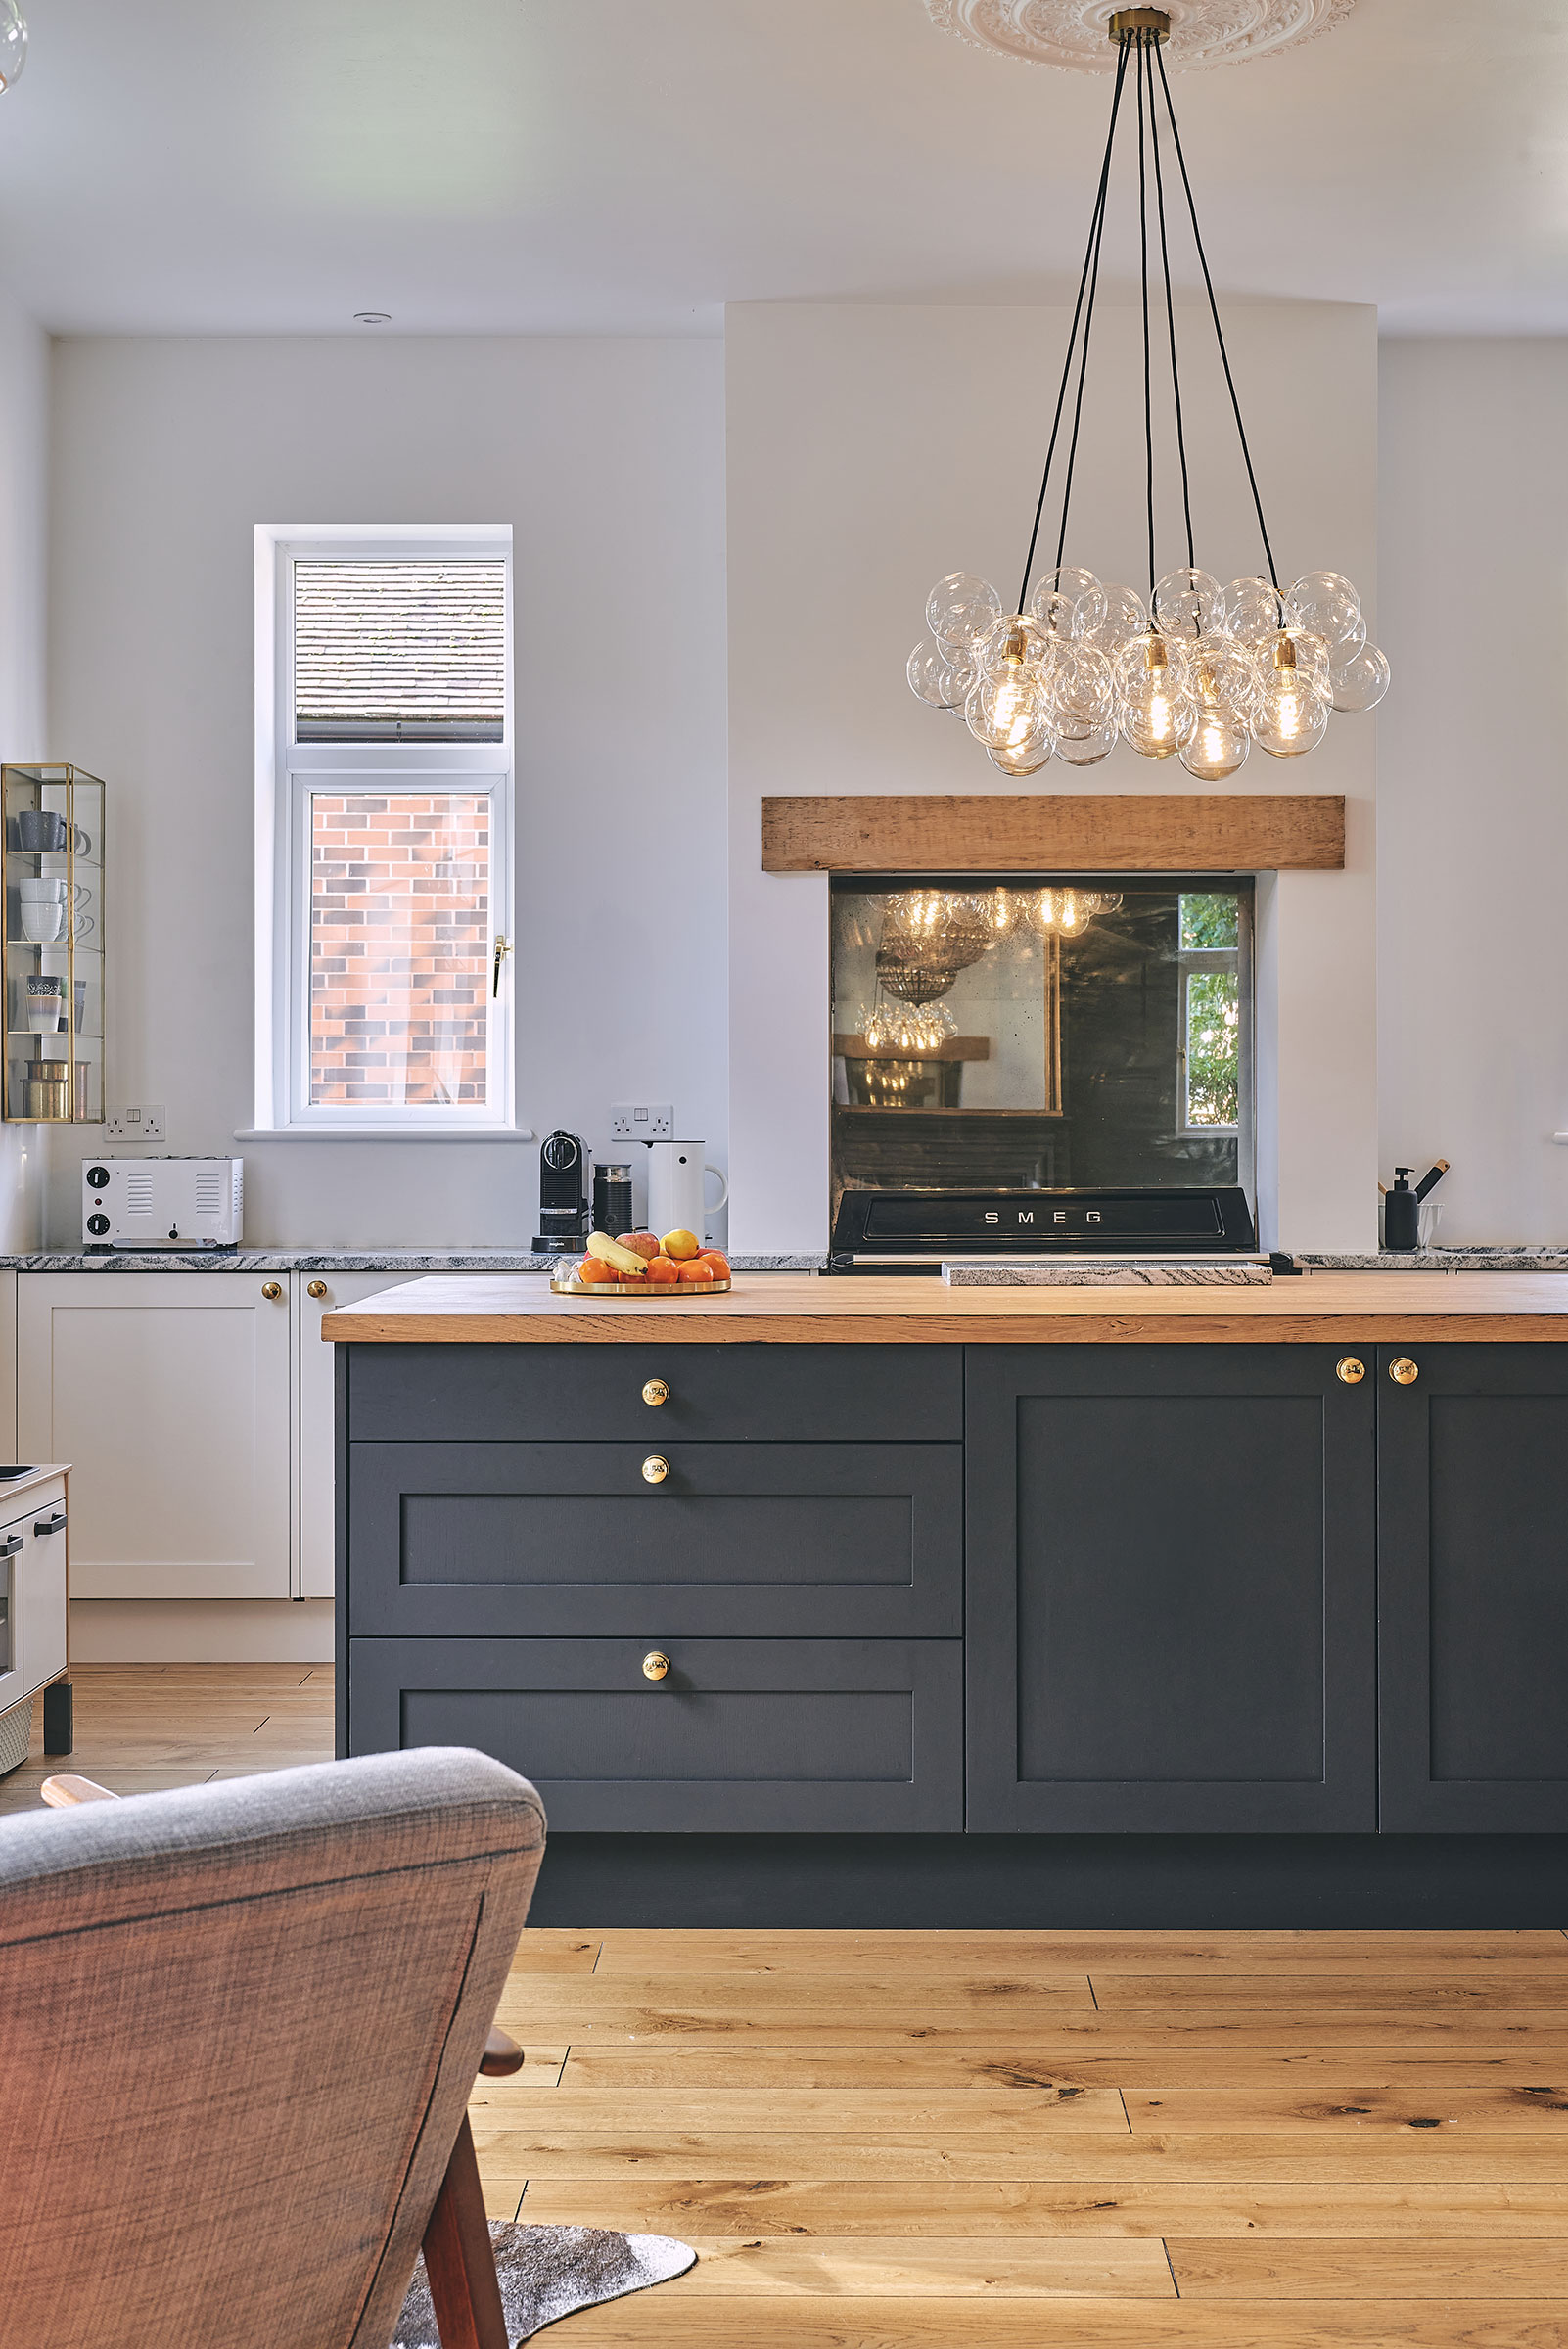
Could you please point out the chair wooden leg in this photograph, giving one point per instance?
(458, 2260)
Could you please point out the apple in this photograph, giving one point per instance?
(642, 1243)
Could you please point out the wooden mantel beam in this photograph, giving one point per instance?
(1189, 832)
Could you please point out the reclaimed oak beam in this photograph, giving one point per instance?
(1187, 831)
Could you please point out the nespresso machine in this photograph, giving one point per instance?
(563, 1196)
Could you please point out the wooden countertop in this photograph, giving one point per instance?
(1367, 1308)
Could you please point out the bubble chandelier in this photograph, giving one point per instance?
(1200, 671)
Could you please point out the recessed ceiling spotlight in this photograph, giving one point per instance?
(13, 42)
(372, 317)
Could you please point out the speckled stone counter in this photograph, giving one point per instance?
(1443, 1260)
(337, 1260)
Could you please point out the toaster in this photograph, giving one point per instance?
(162, 1202)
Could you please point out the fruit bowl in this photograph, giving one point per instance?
(567, 1284)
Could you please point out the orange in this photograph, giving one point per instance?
(593, 1272)
(662, 1273)
(717, 1263)
(681, 1245)
(696, 1275)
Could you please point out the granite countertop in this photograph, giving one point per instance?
(338, 1260)
(1442, 1260)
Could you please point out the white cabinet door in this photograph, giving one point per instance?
(170, 1393)
(318, 1366)
(43, 1583)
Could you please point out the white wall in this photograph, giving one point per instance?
(23, 477)
(606, 456)
(871, 449)
(1473, 791)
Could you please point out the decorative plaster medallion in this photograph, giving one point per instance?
(1074, 32)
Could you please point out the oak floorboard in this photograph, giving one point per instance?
(769, 2267)
(839, 2206)
(1068, 2033)
(1534, 2111)
(1493, 1989)
(1437, 2268)
(910, 2114)
(713, 1950)
(677, 2065)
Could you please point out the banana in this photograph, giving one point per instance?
(625, 1260)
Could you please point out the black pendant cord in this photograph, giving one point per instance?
(1214, 310)
(1170, 320)
(1143, 277)
(1090, 262)
(1089, 322)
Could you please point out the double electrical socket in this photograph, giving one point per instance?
(642, 1121)
(143, 1123)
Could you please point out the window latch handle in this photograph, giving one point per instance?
(503, 946)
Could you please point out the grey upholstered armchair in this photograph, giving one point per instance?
(239, 2024)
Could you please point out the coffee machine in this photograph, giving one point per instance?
(563, 1196)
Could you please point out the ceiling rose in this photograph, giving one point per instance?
(1076, 32)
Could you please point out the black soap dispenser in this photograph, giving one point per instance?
(1402, 1206)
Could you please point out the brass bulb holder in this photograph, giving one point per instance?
(1154, 21)
(1284, 652)
(1155, 654)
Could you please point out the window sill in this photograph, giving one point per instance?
(384, 1134)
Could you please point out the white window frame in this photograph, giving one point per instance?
(287, 773)
(1237, 960)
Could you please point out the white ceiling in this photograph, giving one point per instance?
(598, 166)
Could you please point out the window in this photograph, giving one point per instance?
(384, 805)
(1210, 1047)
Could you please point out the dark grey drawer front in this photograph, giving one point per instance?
(729, 1394)
(780, 1735)
(746, 1541)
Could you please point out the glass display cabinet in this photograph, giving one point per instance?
(53, 865)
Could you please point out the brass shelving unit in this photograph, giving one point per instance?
(51, 861)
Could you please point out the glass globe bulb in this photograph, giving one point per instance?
(1068, 602)
(1328, 606)
(1253, 610)
(1219, 742)
(958, 679)
(1026, 761)
(1007, 709)
(13, 43)
(1362, 682)
(1312, 657)
(1292, 715)
(1190, 603)
(1220, 668)
(962, 610)
(927, 666)
(1017, 637)
(1088, 747)
(1155, 705)
(1082, 687)
(1126, 616)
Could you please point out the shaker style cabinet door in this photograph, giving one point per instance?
(1473, 1588)
(1170, 1589)
(317, 1414)
(171, 1396)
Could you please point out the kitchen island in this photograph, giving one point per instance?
(873, 1602)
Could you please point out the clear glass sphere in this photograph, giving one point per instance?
(1154, 699)
(1017, 637)
(958, 680)
(1126, 616)
(1088, 747)
(1190, 603)
(961, 609)
(1007, 709)
(1311, 658)
(1224, 669)
(927, 663)
(13, 43)
(1026, 761)
(1083, 688)
(1068, 602)
(1292, 717)
(1253, 609)
(1362, 681)
(1329, 607)
(1218, 743)
(1142, 655)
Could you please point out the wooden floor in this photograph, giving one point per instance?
(1260, 2141)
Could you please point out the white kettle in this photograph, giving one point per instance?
(677, 1189)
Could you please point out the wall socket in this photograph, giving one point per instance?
(143, 1122)
(642, 1121)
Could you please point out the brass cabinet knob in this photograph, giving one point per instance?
(655, 1391)
(316, 1288)
(655, 1664)
(1350, 1370)
(1402, 1372)
(655, 1468)
(272, 1290)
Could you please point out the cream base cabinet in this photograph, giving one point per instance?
(172, 1396)
(317, 1294)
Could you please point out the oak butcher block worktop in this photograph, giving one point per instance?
(1397, 1309)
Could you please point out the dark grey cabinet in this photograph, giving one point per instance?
(1473, 1589)
(746, 1541)
(741, 1736)
(1171, 1590)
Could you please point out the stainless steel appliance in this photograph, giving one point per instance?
(169, 1202)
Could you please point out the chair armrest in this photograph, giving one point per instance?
(502, 2057)
(60, 1793)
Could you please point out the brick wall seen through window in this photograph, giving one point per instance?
(399, 945)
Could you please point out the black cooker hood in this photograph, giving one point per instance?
(882, 1230)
